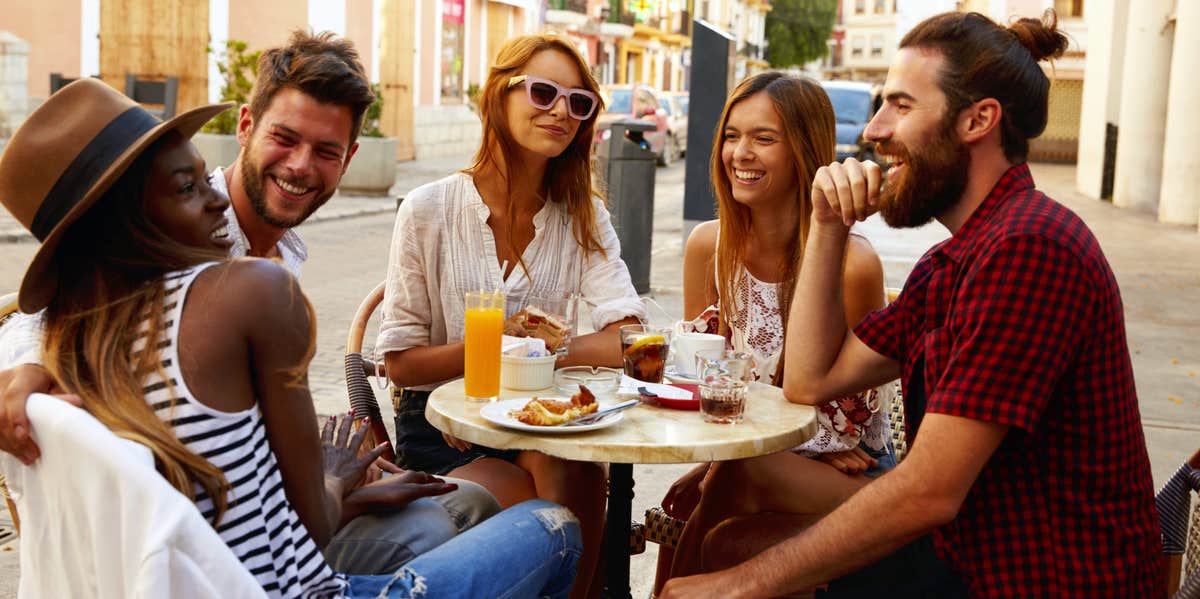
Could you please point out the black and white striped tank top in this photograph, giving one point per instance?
(259, 525)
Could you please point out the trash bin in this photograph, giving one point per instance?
(627, 162)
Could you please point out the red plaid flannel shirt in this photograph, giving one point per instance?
(1019, 320)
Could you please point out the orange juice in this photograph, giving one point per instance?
(481, 365)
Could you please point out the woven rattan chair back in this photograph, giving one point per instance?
(358, 370)
(8, 307)
(1179, 517)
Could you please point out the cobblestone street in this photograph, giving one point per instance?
(1157, 266)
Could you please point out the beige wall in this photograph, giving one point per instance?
(429, 52)
(52, 29)
(267, 23)
(476, 62)
(358, 29)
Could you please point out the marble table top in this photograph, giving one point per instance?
(648, 434)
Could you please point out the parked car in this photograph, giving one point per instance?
(635, 102)
(677, 121)
(854, 103)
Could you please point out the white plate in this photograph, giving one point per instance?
(673, 375)
(497, 413)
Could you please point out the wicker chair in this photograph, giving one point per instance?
(1181, 533)
(8, 307)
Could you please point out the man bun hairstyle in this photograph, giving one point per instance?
(321, 65)
(986, 60)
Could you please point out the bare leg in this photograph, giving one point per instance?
(781, 482)
(662, 571)
(508, 483)
(580, 486)
(738, 539)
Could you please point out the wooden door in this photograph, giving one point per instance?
(396, 56)
(154, 39)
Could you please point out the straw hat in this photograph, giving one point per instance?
(65, 156)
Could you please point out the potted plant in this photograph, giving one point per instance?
(217, 141)
(372, 171)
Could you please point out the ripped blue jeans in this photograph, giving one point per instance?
(528, 550)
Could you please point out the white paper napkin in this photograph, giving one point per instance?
(630, 385)
(523, 347)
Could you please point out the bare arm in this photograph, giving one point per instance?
(602, 348)
(699, 284)
(424, 365)
(277, 325)
(824, 359)
(922, 493)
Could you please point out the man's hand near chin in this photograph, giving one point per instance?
(16, 384)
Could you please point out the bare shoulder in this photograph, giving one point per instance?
(254, 289)
(702, 241)
(861, 256)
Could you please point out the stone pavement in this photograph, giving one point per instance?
(1157, 266)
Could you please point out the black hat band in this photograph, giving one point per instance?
(88, 165)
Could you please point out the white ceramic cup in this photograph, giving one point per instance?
(686, 346)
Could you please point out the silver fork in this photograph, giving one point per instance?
(598, 414)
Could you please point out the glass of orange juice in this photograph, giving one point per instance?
(484, 327)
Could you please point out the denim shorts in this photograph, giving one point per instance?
(420, 446)
(884, 458)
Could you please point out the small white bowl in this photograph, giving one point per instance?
(526, 374)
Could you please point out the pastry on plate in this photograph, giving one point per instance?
(552, 412)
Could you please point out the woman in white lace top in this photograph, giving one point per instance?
(739, 273)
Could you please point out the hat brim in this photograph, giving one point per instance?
(41, 279)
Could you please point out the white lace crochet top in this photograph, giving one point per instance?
(757, 328)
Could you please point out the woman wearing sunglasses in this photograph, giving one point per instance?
(522, 218)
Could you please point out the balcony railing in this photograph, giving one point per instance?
(579, 6)
(617, 13)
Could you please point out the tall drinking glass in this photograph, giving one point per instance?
(484, 317)
(563, 307)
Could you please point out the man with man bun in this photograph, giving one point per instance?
(1027, 474)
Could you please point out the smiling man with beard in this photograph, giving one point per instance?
(1027, 474)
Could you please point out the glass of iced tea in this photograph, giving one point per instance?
(484, 317)
(724, 375)
(644, 351)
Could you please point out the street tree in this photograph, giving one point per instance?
(797, 31)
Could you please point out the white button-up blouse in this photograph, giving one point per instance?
(442, 248)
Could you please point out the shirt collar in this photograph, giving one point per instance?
(292, 250)
(1016, 179)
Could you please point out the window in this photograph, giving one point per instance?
(880, 6)
(1069, 8)
(876, 46)
(860, 7)
(856, 47)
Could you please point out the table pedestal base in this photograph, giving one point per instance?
(616, 531)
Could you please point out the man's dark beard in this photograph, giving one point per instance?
(253, 181)
(931, 183)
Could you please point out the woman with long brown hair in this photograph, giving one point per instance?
(522, 218)
(739, 277)
(203, 359)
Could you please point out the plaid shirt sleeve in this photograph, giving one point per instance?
(885, 330)
(1014, 331)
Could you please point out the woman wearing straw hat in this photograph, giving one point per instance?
(133, 275)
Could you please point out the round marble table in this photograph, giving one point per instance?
(648, 434)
